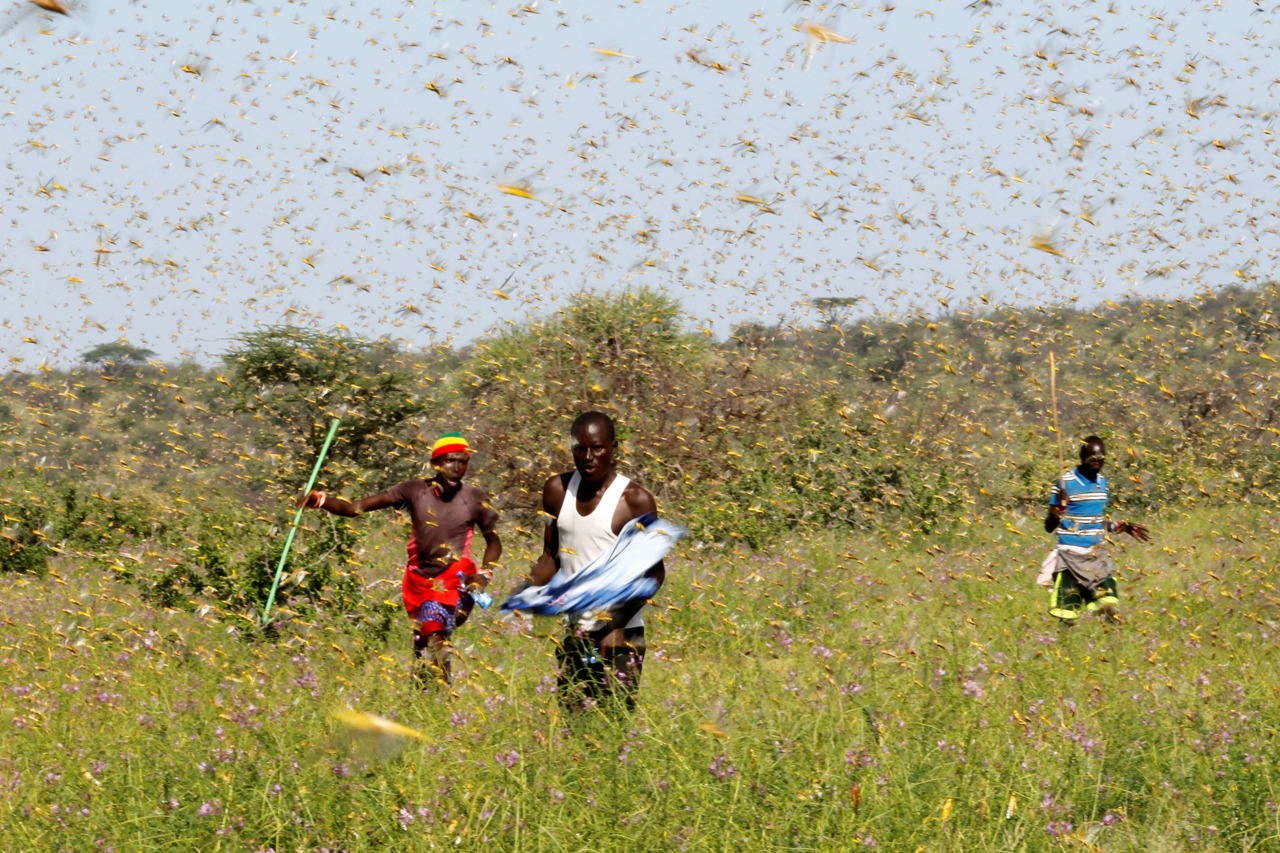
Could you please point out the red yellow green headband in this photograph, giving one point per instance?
(449, 443)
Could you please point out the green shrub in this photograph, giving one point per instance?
(29, 523)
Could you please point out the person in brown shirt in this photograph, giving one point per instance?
(441, 574)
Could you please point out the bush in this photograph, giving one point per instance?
(30, 523)
(298, 380)
(233, 558)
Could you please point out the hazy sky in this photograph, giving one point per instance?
(177, 174)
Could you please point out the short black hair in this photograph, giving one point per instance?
(1088, 443)
(598, 418)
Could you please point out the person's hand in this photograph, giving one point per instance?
(455, 576)
(1058, 499)
(475, 581)
(312, 500)
(1137, 531)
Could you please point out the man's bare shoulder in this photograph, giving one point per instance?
(638, 500)
(553, 492)
(558, 482)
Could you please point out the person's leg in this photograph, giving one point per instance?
(579, 670)
(438, 655)
(431, 649)
(1106, 597)
(431, 642)
(1066, 598)
(465, 605)
(626, 661)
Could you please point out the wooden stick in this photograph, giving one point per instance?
(1053, 396)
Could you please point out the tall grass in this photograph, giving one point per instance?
(888, 693)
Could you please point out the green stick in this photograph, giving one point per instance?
(297, 519)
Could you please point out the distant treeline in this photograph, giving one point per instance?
(917, 423)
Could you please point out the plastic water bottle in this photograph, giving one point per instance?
(483, 599)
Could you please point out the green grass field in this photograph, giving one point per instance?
(831, 695)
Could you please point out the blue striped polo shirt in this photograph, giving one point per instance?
(1084, 525)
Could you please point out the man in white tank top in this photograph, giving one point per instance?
(600, 653)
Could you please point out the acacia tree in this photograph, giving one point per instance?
(835, 310)
(296, 380)
(116, 358)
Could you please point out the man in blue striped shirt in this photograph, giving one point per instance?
(1083, 573)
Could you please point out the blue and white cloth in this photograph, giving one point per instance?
(615, 576)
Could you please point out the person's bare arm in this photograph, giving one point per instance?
(623, 613)
(1054, 517)
(553, 495)
(343, 507)
(492, 553)
(1057, 509)
(636, 502)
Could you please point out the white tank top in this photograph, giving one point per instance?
(583, 537)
